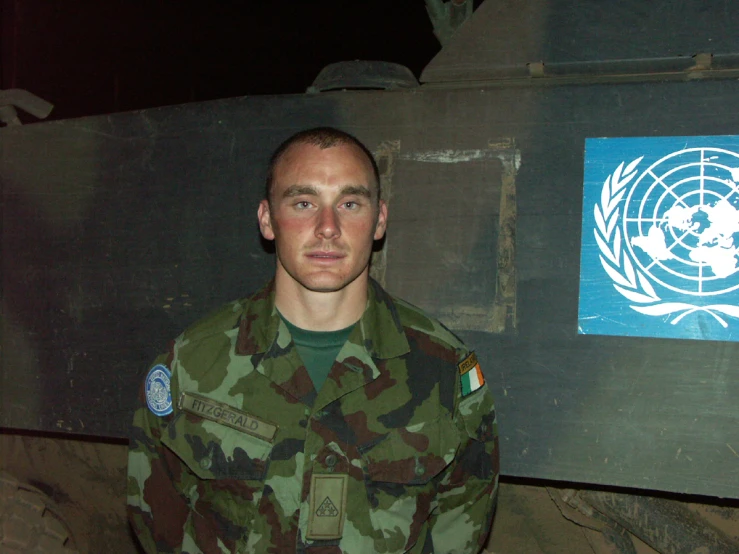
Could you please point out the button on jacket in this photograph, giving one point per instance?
(232, 468)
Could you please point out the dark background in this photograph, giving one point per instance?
(89, 57)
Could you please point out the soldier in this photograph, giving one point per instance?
(320, 414)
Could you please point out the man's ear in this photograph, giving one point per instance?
(265, 220)
(381, 224)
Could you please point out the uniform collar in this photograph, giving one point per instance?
(379, 329)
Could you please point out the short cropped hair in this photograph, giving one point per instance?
(323, 137)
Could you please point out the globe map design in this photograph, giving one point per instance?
(681, 221)
(159, 393)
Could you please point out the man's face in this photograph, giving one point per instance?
(323, 216)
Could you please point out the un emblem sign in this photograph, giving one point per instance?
(660, 240)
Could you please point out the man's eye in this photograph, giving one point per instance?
(351, 205)
(302, 205)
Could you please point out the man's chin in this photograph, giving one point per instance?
(325, 286)
(327, 283)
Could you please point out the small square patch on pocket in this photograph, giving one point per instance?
(327, 506)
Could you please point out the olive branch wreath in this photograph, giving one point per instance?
(628, 280)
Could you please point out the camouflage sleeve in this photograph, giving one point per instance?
(468, 490)
(157, 509)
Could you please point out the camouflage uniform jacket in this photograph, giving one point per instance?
(416, 460)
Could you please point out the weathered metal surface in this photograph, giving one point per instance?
(121, 230)
(442, 225)
(595, 36)
(504, 308)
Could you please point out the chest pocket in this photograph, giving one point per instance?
(230, 467)
(412, 455)
(400, 469)
(215, 451)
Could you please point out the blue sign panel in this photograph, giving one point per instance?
(660, 238)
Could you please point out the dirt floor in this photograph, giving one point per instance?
(85, 479)
(528, 521)
(87, 482)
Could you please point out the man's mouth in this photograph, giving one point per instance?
(319, 255)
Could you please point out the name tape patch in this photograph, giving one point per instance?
(157, 388)
(227, 415)
(472, 378)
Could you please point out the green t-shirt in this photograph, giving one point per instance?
(318, 349)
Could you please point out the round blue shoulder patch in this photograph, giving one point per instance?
(158, 394)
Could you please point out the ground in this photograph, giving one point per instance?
(87, 482)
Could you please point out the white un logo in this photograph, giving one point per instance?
(670, 229)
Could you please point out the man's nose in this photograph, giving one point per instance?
(328, 224)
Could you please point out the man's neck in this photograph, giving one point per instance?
(320, 311)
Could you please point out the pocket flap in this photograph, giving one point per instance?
(214, 451)
(414, 454)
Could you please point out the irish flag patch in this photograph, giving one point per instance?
(472, 377)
